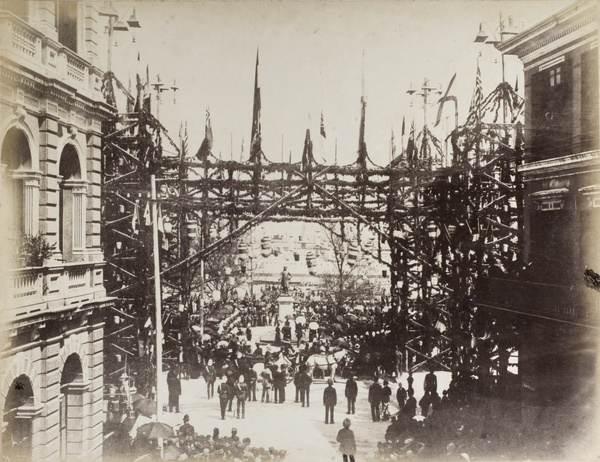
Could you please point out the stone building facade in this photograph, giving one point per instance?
(558, 354)
(51, 116)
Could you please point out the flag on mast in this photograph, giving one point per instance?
(323, 138)
(255, 147)
(207, 143)
(475, 108)
(147, 94)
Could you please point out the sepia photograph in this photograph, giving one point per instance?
(300, 231)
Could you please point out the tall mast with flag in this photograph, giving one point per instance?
(362, 146)
(255, 147)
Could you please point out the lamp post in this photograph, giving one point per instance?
(483, 36)
(116, 24)
(160, 87)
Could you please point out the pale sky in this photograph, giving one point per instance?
(311, 60)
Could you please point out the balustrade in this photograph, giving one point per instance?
(39, 289)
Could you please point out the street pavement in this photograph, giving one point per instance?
(300, 431)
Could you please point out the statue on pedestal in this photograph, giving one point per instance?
(285, 280)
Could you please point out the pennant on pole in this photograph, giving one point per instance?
(147, 94)
(255, 143)
(147, 216)
(443, 100)
(403, 126)
(323, 126)
(135, 218)
(410, 146)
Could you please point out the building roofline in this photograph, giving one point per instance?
(515, 44)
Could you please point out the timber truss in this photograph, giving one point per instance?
(446, 227)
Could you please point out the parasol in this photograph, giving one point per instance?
(222, 344)
(300, 320)
(196, 328)
(205, 337)
(352, 317)
(145, 406)
(336, 326)
(313, 325)
(339, 318)
(341, 342)
(155, 430)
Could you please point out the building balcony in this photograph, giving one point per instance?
(578, 304)
(36, 291)
(28, 47)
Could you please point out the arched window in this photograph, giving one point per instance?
(71, 214)
(16, 424)
(19, 186)
(71, 407)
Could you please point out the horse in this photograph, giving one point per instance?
(324, 362)
(281, 360)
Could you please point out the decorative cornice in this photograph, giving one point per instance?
(588, 20)
(562, 163)
(555, 27)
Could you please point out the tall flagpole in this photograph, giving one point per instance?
(157, 300)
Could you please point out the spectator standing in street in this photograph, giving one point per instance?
(267, 381)
(174, 386)
(304, 382)
(401, 396)
(410, 408)
(231, 385)
(375, 399)
(329, 401)
(277, 335)
(430, 383)
(286, 332)
(347, 442)
(224, 392)
(248, 334)
(210, 375)
(297, 386)
(252, 377)
(350, 392)
(410, 380)
(279, 385)
(242, 395)
(386, 393)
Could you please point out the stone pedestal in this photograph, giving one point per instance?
(286, 306)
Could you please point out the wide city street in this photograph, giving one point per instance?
(302, 432)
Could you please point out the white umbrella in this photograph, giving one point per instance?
(300, 320)
(313, 325)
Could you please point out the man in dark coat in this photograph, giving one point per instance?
(225, 393)
(401, 396)
(351, 391)
(430, 383)
(329, 401)
(279, 383)
(252, 378)
(174, 386)
(304, 382)
(375, 399)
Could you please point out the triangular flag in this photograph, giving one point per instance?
(323, 134)
(147, 217)
(135, 218)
